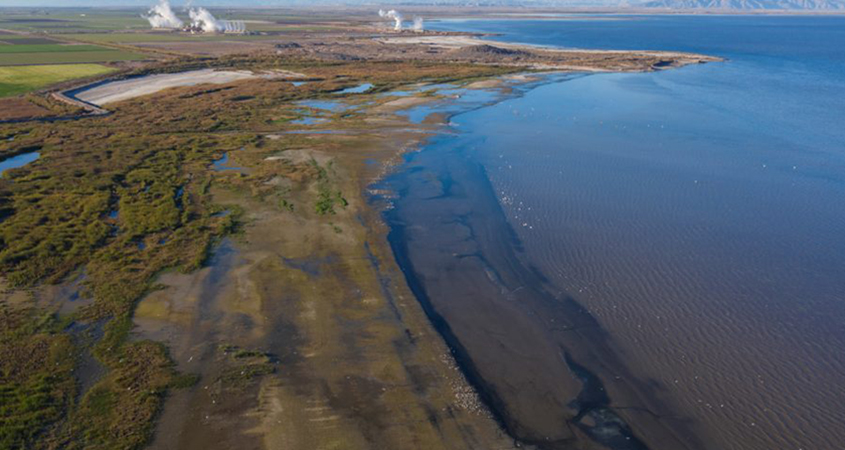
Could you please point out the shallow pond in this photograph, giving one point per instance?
(223, 164)
(357, 89)
(329, 105)
(18, 161)
(308, 121)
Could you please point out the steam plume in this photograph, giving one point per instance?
(394, 15)
(419, 25)
(161, 16)
(202, 19)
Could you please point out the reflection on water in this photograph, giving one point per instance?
(329, 105)
(696, 213)
(18, 161)
(418, 89)
(456, 100)
(357, 89)
(222, 164)
(308, 121)
(509, 329)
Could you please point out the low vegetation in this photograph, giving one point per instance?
(327, 196)
(47, 48)
(69, 57)
(133, 38)
(70, 20)
(116, 200)
(36, 375)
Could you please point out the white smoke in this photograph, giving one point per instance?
(394, 15)
(202, 19)
(419, 24)
(161, 16)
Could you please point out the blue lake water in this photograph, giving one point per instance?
(697, 214)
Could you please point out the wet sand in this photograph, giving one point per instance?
(355, 362)
(322, 310)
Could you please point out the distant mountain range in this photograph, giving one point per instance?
(748, 5)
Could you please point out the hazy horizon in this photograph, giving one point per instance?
(304, 3)
(702, 5)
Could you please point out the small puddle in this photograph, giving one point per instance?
(180, 193)
(357, 89)
(399, 94)
(66, 296)
(222, 164)
(328, 105)
(309, 121)
(18, 161)
(88, 370)
(298, 83)
(315, 132)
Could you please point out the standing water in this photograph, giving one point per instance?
(692, 219)
(18, 161)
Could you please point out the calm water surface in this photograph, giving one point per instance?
(18, 161)
(698, 214)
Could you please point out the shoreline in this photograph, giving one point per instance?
(318, 318)
(596, 410)
(423, 240)
(393, 134)
(305, 316)
(463, 40)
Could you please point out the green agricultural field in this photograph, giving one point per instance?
(23, 79)
(13, 39)
(130, 38)
(65, 57)
(82, 21)
(49, 48)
